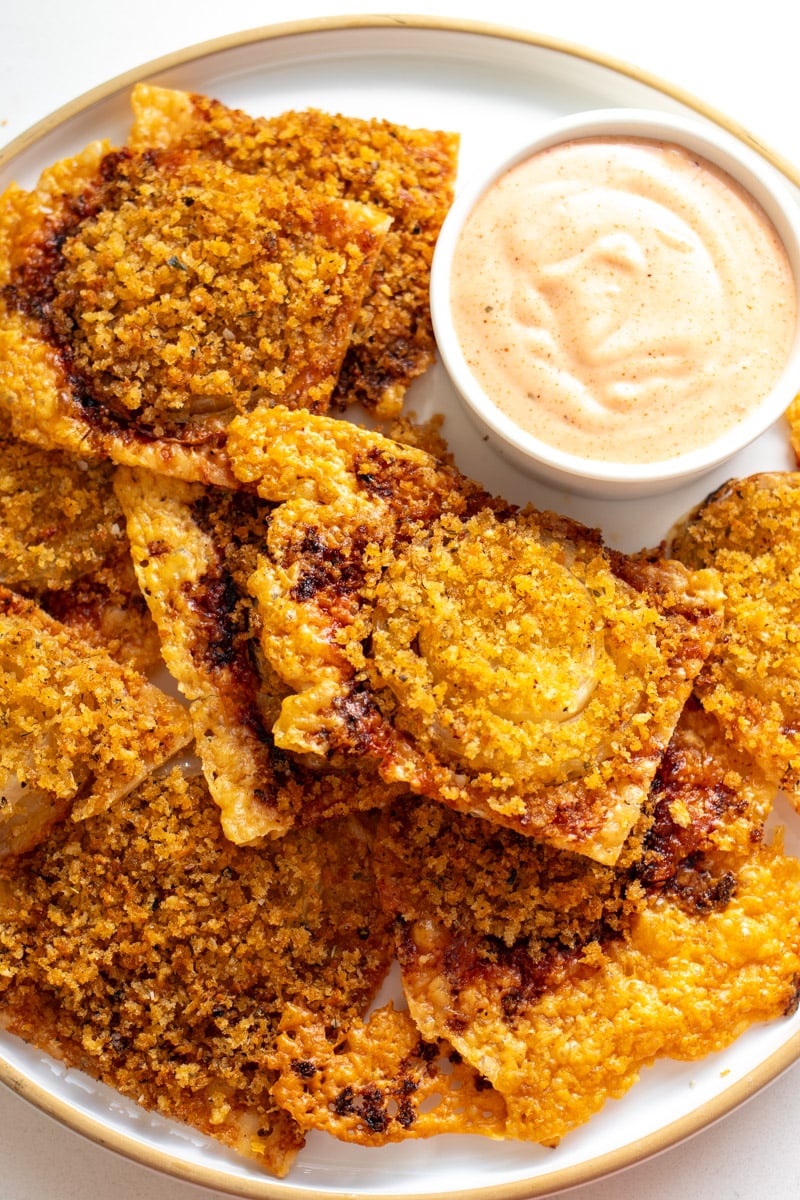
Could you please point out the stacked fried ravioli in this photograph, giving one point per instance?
(412, 720)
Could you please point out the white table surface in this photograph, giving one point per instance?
(743, 60)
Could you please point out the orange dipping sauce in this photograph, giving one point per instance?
(622, 299)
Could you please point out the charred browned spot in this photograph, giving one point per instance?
(344, 1103)
(456, 1025)
(414, 491)
(215, 601)
(341, 576)
(304, 1068)
(311, 542)
(530, 976)
(371, 1108)
(375, 471)
(698, 889)
(362, 721)
(232, 517)
(329, 569)
(362, 377)
(427, 1051)
(668, 845)
(406, 1114)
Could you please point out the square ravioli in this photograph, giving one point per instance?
(194, 548)
(749, 531)
(63, 544)
(513, 953)
(145, 949)
(503, 662)
(560, 981)
(77, 729)
(147, 298)
(407, 173)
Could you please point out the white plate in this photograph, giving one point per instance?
(494, 86)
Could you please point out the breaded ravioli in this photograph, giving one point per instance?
(148, 298)
(559, 980)
(77, 729)
(489, 922)
(749, 531)
(59, 517)
(145, 949)
(194, 549)
(407, 173)
(63, 543)
(505, 663)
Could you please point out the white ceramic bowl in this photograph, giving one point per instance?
(595, 477)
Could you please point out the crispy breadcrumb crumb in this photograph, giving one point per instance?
(63, 543)
(407, 173)
(77, 729)
(148, 303)
(144, 948)
(749, 531)
(59, 517)
(505, 663)
(194, 550)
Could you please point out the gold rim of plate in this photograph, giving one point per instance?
(548, 1182)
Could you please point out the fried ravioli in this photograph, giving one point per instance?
(509, 949)
(143, 948)
(505, 663)
(59, 518)
(148, 298)
(407, 173)
(194, 549)
(63, 543)
(77, 729)
(749, 531)
(559, 980)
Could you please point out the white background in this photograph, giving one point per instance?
(742, 59)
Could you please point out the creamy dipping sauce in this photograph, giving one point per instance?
(622, 299)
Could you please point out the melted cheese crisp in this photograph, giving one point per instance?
(622, 300)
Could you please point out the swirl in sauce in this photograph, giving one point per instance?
(622, 299)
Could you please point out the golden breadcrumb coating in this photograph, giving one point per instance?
(147, 298)
(381, 1083)
(107, 609)
(59, 517)
(574, 751)
(194, 549)
(749, 531)
(558, 1001)
(504, 663)
(407, 173)
(145, 949)
(63, 543)
(514, 919)
(505, 895)
(77, 729)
